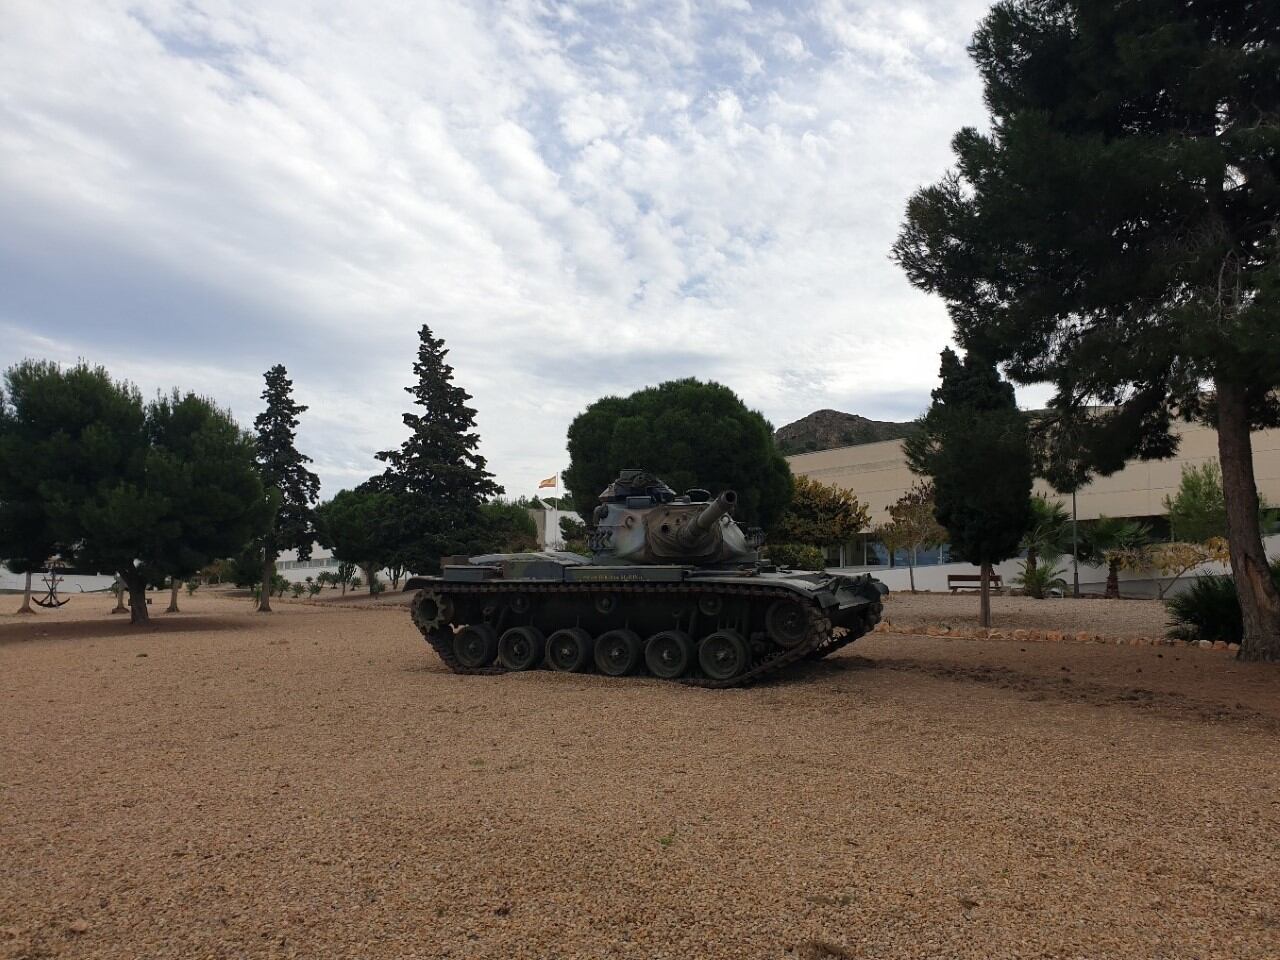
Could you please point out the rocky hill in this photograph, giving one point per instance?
(824, 429)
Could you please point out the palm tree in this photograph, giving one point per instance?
(1048, 536)
(1109, 539)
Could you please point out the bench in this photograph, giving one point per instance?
(971, 581)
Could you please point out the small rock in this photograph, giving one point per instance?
(1205, 644)
(1219, 644)
(1053, 636)
(1233, 647)
(1083, 637)
(1022, 634)
(80, 924)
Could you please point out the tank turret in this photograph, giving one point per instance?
(641, 520)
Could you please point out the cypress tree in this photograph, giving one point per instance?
(1116, 233)
(437, 477)
(973, 443)
(290, 488)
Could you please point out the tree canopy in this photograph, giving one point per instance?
(145, 491)
(360, 527)
(974, 445)
(913, 525)
(820, 515)
(689, 433)
(1117, 233)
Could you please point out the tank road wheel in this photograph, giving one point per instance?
(521, 648)
(668, 654)
(475, 645)
(618, 652)
(710, 605)
(723, 655)
(605, 603)
(786, 623)
(569, 650)
(433, 610)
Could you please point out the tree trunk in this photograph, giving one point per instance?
(1257, 593)
(173, 596)
(984, 591)
(136, 584)
(1112, 592)
(1029, 575)
(26, 597)
(268, 574)
(911, 575)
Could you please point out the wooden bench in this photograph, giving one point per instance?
(971, 581)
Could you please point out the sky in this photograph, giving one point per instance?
(581, 198)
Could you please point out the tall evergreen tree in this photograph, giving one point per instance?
(437, 477)
(974, 445)
(1117, 233)
(290, 488)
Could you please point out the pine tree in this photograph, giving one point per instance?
(437, 477)
(291, 489)
(1117, 233)
(974, 445)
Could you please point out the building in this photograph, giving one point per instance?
(877, 474)
(547, 519)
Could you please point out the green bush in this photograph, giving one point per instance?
(313, 588)
(355, 583)
(1209, 609)
(192, 587)
(297, 589)
(797, 556)
(1045, 578)
(376, 586)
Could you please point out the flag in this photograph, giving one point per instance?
(549, 482)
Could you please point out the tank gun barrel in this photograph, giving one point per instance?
(709, 517)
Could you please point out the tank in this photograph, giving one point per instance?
(674, 589)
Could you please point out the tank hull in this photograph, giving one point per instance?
(739, 625)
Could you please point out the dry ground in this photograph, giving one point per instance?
(314, 784)
(1142, 618)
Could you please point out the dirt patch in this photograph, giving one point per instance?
(1140, 618)
(313, 783)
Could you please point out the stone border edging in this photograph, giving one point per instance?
(1050, 636)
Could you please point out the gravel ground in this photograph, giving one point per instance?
(314, 784)
(1143, 618)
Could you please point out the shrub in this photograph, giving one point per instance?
(1042, 578)
(313, 588)
(376, 586)
(797, 556)
(192, 586)
(298, 589)
(1210, 609)
(355, 583)
(279, 584)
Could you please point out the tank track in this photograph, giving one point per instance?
(820, 642)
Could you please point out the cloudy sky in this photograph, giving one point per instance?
(581, 198)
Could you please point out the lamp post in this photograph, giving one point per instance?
(1075, 550)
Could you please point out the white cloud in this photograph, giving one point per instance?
(580, 198)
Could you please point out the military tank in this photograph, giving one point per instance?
(674, 588)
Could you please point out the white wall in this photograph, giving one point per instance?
(70, 585)
(547, 520)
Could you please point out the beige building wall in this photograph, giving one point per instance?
(877, 474)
